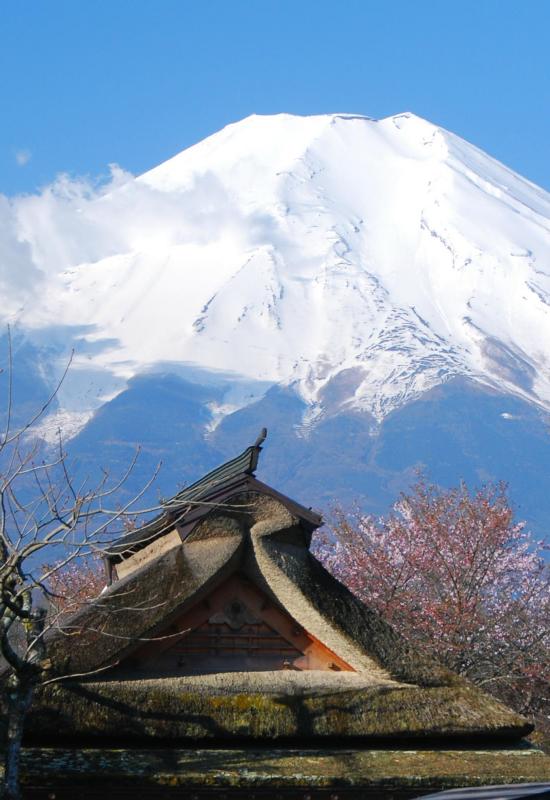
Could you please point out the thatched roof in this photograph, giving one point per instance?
(271, 771)
(393, 691)
(183, 511)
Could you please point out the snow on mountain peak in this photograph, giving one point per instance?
(360, 261)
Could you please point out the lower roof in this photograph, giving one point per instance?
(273, 771)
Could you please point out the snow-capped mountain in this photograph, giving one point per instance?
(358, 263)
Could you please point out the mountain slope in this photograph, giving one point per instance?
(354, 265)
(362, 262)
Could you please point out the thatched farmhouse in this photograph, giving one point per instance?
(224, 659)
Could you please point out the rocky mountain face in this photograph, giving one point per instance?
(377, 293)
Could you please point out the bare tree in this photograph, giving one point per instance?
(45, 516)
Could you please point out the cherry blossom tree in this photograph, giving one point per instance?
(73, 586)
(456, 575)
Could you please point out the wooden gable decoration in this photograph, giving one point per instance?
(236, 628)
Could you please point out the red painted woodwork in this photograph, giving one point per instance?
(236, 628)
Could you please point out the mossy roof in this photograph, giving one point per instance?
(136, 710)
(272, 769)
(398, 692)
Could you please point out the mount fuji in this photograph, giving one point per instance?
(376, 292)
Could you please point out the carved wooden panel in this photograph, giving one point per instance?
(237, 628)
(251, 647)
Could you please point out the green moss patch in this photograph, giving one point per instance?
(283, 768)
(130, 710)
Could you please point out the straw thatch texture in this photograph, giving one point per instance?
(393, 693)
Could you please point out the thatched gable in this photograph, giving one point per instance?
(182, 513)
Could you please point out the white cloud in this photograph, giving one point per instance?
(20, 276)
(75, 220)
(22, 157)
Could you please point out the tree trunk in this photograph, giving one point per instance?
(19, 701)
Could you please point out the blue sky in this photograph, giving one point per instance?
(133, 81)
